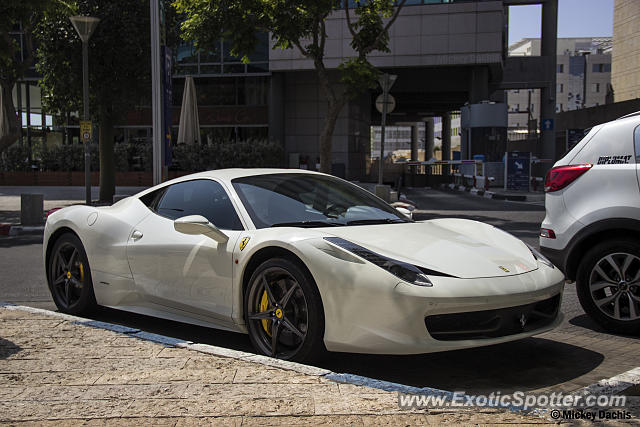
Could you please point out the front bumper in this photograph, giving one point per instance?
(368, 310)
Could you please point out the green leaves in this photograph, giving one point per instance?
(358, 75)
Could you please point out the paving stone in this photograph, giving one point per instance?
(55, 371)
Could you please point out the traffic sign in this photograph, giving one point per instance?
(547, 124)
(517, 171)
(391, 103)
(85, 131)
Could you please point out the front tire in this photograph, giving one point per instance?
(283, 311)
(608, 285)
(69, 276)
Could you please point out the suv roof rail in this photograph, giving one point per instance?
(637, 113)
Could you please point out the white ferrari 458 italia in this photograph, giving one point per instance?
(303, 262)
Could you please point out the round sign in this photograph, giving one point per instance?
(85, 135)
(391, 103)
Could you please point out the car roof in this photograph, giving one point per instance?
(226, 175)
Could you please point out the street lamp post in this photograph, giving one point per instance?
(85, 25)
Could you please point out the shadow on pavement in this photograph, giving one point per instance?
(8, 348)
(528, 364)
(584, 321)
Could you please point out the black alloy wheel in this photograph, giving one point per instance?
(284, 312)
(69, 276)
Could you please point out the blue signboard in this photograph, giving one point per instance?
(547, 124)
(518, 171)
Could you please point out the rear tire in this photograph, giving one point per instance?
(281, 299)
(69, 276)
(608, 285)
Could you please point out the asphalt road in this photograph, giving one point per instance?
(575, 355)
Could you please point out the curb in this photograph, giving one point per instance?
(484, 193)
(21, 230)
(608, 386)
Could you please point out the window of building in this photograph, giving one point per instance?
(220, 60)
(601, 68)
(595, 87)
(199, 197)
(560, 68)
(560, 88)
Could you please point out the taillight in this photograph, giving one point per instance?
(561, 176)
(547, 233)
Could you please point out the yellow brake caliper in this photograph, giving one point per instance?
(264, 306)
(81, 273)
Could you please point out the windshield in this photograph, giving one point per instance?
(306, 200)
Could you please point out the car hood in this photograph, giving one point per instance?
(458, 247)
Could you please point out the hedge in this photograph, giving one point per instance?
(138, 157)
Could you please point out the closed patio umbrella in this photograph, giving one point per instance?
(189, 129)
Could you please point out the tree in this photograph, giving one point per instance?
(119, 67)
(15, 60)
(299, 24)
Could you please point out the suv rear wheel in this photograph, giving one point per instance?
(608, 285)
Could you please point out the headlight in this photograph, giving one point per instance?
(407, 272)
(543, 259)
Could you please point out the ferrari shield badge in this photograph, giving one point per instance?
(243, 243)
(505, 269)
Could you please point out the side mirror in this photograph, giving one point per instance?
(197, 224)
(405, 212)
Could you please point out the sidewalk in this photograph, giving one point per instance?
(498, 193)
(66, 370)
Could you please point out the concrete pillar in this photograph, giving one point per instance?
(31, 209)
(548, 49)
(464, 144)
(414, 141)
(428, 138)
(479, 87)
(446, 141)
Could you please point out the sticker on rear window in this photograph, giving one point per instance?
(613, 160)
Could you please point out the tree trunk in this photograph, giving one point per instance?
(326, 137)
(107, 164)
(9, 125)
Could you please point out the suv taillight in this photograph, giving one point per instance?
(561, 176)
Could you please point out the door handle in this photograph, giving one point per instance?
(136, 235)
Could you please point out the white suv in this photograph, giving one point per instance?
(592, 226)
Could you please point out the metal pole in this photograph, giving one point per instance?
(156, 92)
(385, 99)
(85, 95)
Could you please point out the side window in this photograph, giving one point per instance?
(636, 141)
(150, 199)
(200, 197)
(613, 144)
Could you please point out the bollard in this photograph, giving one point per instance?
(31, 209)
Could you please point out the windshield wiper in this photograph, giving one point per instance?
(306, 224)
(377, 221)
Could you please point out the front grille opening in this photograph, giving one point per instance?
(493, 323)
